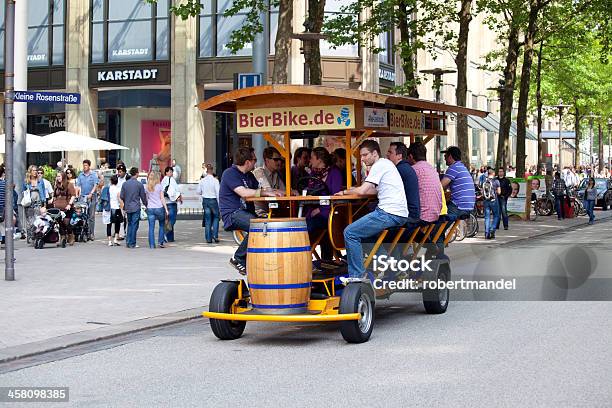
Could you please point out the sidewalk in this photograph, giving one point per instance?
(91, 291)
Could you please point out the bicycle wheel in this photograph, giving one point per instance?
(544, 207)
(471, 226)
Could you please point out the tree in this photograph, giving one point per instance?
(346, 28)
(465, 16)
(252, 26)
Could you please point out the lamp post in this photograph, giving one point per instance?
(591, 117)
(560, 107)
(437, 73)
(609, 147)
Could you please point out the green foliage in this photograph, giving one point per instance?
(49, 174)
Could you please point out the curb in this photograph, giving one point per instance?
(14, 353)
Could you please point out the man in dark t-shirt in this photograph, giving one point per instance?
(398, 154)
(237, 184)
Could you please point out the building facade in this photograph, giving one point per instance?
(141, 71)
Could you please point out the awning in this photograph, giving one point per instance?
(554, 134)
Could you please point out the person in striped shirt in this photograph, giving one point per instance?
(461, 184)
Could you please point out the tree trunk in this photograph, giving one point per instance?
(465, 17)
(521, 120)
(282, 44)
(407, 52)
(539, 106)
(503, 143)
(314, 23)
(600, 148)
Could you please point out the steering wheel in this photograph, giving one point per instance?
(319, 188)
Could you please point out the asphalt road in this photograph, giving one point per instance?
(521, 352)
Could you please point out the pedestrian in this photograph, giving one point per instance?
(559, 191)
(71, 177)
(590, 196)
(300, 169)
(64, 197)
(132, 194)
(33, 199)
(114, 206)
(506, 190)
(173, 197)
(490, 191)
(88, 183)
(208, 189)
(48, 187)
(176, 171)
(157, 208)
(2, 201)
(122, 177)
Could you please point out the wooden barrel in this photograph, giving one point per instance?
(279, 265)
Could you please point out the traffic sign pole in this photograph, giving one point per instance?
(9, 65)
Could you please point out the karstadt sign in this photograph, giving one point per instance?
(127, 75)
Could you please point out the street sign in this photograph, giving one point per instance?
(47, 97)
(247, 80)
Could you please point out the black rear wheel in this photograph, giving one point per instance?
(436, 300)
(357, 298)
(221, 301)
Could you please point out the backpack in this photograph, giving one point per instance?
(488, 192)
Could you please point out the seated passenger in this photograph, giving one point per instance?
(316, 219)
(237, 184)
(461, 184)
(339, 156)
(430, 196)
(269, 177)
(392, 209)
(301, 161)
(398, 153)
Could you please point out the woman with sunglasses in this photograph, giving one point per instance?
(71, 177)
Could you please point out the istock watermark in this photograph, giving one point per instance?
(384, 263)
(462, 284)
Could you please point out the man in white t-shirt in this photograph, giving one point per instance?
(391, 211)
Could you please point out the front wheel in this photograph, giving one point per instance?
(221, 301)
(357, 298)
(238, 236)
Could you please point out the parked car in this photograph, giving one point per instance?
(604, 192)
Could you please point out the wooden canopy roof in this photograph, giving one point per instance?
(291, 95)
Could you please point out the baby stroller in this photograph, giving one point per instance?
(80, 226)
(47, 228)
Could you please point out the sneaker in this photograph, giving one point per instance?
(161, 246)
(116, 243)
(239, 267)
(121, 238)
(110, 243)
(216, 240)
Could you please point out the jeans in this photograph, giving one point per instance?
(560, 207)
(589, 206)
(315, 225)
(156, 214)
(503, 211)
(133, 220)
(371, 224)
(241, 220)
(211, 219)
(491, 221)
(172, 210)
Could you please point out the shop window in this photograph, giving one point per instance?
(334, 8)
(129, 30)
(215, 29)
(475, 143)
(385, 43)
(490, 142)
(45, 33)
